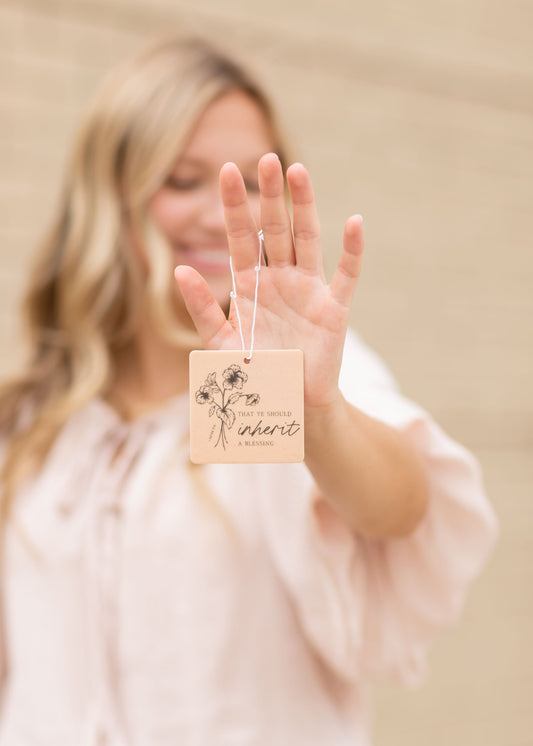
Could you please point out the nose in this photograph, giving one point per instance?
(212, 214)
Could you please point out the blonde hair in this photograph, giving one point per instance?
(86, 290)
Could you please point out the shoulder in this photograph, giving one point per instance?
(361, 365)
(367, 383)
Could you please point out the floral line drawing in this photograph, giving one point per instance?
(221, 397)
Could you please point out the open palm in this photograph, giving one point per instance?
(296, 307)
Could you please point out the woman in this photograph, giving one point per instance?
(147, 601)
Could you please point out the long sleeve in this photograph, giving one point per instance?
(3, 646)
(370, 608)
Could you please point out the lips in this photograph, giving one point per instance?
(205, 258)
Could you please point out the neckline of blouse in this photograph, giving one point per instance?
(168, 410)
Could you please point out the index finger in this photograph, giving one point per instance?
(240, 224)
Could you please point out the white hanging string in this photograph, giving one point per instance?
(233, 296)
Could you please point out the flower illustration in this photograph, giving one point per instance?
(204, 395)
(234, 377)
(221, 398)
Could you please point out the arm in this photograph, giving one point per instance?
(369, 472)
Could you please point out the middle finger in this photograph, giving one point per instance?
(275, 220)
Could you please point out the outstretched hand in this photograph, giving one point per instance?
(296, 307)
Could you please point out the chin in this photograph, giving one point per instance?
(221, 291)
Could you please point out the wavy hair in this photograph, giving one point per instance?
(86, 289)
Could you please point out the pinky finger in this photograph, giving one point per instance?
(349, 268)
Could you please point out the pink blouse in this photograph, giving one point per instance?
(136, 612)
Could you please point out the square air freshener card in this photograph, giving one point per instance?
(246, 412)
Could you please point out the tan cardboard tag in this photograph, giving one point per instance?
(246, 412)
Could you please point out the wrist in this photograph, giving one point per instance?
(324, 419)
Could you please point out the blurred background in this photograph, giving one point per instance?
(419, 115)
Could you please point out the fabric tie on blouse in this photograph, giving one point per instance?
(119, 444)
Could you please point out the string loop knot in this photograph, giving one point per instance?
(233, 296)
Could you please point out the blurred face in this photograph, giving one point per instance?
(188, 208)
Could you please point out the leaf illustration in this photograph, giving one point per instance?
(233, 398)
(252, 399)
(212, 411)
(227, 416)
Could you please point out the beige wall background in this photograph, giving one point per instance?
(419, 115)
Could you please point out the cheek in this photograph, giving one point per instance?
(255, 208)
(169, 211)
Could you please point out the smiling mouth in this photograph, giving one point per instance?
(205, 258)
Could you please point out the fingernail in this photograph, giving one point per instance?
(271, 155)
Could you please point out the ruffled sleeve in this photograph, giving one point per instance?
(370, 608)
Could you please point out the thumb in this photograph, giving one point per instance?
(206, 314)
